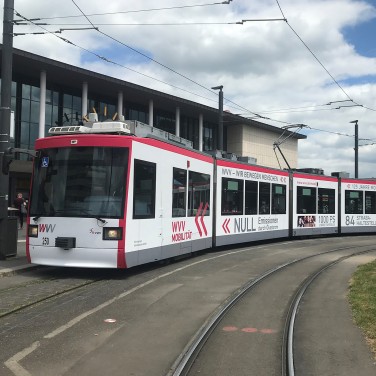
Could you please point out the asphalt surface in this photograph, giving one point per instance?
(347, 338)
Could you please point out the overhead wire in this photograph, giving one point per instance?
(109, 60)
(317, 59)
(141, 53)
(258, 116)
(189, 79)
(163, 65)
(118, 64)
(134, 11)
(159, 63)
(165, 23)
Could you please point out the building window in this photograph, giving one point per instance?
(29, 129)
(52, 110)
(137, 113)
(208, 141)
(165, 121)
(71, 109)
(189, 130)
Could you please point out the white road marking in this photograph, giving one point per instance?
(14, 366)
(13, 362)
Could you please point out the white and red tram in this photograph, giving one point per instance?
(102, 200)
(102, 197)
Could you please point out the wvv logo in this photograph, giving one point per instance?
(46, 228)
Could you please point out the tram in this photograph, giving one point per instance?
(117, 194)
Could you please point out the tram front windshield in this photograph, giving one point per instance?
(79, 182)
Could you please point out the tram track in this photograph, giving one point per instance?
(155, 310)
(22, 296)
(14, 301)
(184, 363)
(288, 368)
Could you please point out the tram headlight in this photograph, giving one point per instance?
(112, 233)
(32, 231)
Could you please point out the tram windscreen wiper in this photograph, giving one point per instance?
(68, 211)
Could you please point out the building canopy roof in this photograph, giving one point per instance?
(29, 66)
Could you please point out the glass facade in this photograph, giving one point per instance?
(64, 108)
(208, 142)
(165, 120)
(104, 108)
(29, 116)
(137, 112)
(52, 110)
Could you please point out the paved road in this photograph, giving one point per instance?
(136, 322)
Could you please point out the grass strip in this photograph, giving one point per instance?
(362, 298)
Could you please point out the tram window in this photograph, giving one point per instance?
(179, 192)
(80, 181)
(198, 193)
(353, 202)
(232, 196)
(278, 199)
(264, 198)
(144, 189)
(370, 202)
(306, 200)
(251, 194)
(326, 201)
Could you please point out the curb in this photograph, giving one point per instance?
(8, 272)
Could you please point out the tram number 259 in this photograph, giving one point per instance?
(45, 241)
(350, 220)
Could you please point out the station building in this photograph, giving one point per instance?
(46, 93)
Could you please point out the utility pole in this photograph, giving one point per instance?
(220, 117)
(5, 110)
(356, 147)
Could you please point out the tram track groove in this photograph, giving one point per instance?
(160, 273)
(183, 364)
(23, 306)
(288, 368)
(46, 298)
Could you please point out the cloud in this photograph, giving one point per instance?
(262, 64)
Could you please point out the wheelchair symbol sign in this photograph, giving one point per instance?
(45, 161)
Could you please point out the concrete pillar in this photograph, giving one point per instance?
(177, 121)
(200, 132)
(42, 104)
(84, 98)
(151, 113)
(120, 105)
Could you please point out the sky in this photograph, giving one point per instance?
(305, 64)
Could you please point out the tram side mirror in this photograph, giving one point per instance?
(6, 161)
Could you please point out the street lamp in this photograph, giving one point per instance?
(220, 115)
(356, 147)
